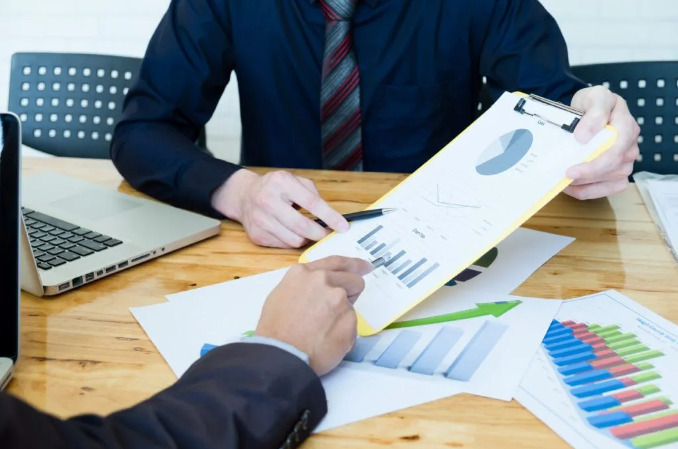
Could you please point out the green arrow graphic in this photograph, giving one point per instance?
(496, 309)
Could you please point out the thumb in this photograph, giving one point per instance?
(597, 104)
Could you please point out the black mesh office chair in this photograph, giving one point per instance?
(651, 91)
(69, 103)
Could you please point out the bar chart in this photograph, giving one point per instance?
(437, 350)
(408, 269)
(613, 382)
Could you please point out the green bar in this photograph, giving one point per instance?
(621, 337)
(632, 350)
(248, 333)
(645, 377)
(656, 439)
(608, 334)
(656, 415)
(644, 366)
(623, 344)
(594, 326)
(600, 330)
(635, 358)
(664, 399)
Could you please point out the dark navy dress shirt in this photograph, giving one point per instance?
(421, 65)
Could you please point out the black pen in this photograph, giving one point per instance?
(357, 216)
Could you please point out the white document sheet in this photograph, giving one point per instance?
(514, 260)
(606, 375)
(490, 355)
(665, 198)
(459, 205)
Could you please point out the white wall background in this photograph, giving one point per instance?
(596, 31)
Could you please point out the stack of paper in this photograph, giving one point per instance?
(660, 194)
(471, 337)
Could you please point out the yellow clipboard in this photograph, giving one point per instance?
(364, 328)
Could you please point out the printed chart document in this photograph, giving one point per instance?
(503, 269)
(606, 375)
(460, 204)
(481, 344)
(664, 196)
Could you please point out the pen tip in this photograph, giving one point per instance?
(389, 210)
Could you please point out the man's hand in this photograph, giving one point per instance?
(312, 309)
(265, 207)
(607, 174)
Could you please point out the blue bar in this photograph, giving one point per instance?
(555, 324)
(610, 419)
(394, 258)
(575, 369)
(475, 353)
(367, 248)
(555, 332)
(577, 349)
(412, 268)
(574, 359)
(588, 377)
(397, 351)
(391, 245)
(407, 262)
(435, 352)
(206, 348)
(423, 275)
(362, 347)
(602, 403)
(596, 389)
(377, 249)
(565, 344)
(371, 233)
(558, 339)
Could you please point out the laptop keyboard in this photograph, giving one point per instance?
(56, 242)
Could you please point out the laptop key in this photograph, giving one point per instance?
(57, 232)
(66, 226)
(44, 266)
(37, 253)
(45, 247)
(56, 251)
(48, 238)
(81, 231)
(56, 262)
(66, 235)
(48, 228)
(35, 242)
(75, 239)
(112, 242)
(26, 211)
(92, 235)
(45, 258)
(94, 246)
(69, 256)
(57, 241)
(67, 245)
(29, 222)
(80, 251)
(35, 234)
(101, 238)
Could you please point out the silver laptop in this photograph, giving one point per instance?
(77, 232)
(10, 167)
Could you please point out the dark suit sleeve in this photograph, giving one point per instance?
(523, 49)
(186, 68)
(241, 395)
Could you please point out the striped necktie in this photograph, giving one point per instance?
(341, 116)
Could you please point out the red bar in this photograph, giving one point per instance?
(568, 323)
(599, 346)
(608, 362)
(584, 332)
(644, 427)
(578, 327)
(623, 370)
(593, 340)
(629, 395)
(605, 354)
(656, 405)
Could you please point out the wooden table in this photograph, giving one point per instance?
(84, 352)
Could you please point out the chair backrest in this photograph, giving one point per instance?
(651, 91)
(69, 103)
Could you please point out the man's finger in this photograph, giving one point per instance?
(310, 185)
(270, 224)
(352, 283)
(297, 193)
(340, 263)
(597, 104)
(299, 224)
(597, 190)
(596, 169)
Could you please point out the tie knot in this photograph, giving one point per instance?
(338, 10)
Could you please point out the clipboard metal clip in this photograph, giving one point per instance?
(520, 108)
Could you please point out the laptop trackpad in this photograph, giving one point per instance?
(96, 205)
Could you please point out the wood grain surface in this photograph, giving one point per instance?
(83, 352)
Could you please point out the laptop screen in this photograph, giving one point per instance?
(9, 236)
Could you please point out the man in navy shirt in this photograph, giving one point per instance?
(374, 85)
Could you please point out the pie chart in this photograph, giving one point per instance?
(505, 152)
(476, 269)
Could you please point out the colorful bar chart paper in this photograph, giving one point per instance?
(612, 380)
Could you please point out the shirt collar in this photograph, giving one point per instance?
(372, 3)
